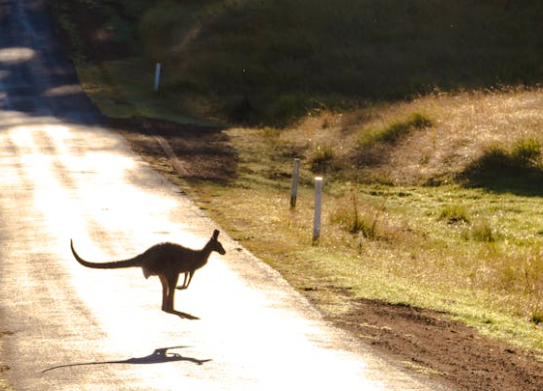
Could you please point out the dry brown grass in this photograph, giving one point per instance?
(464, 125)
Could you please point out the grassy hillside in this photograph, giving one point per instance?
(271, 61)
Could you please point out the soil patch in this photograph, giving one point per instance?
(202, 152)
(448, 351)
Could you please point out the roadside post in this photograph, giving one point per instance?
(317, 216)
(294, 189)
(157, 76)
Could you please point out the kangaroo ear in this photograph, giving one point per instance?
(215, 234)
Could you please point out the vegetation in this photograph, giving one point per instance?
(454, 214)
(480, 262)
(424, 117)
(386, 234)
(273, 61)
(394, 132)
(521, 168)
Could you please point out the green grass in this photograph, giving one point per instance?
(124, 89)
(455, 213)
(394, 131)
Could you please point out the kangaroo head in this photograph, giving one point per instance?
(215, 244)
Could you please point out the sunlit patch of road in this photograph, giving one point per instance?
(15, 55)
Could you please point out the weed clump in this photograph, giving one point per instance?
(394, 132)
(481, 231)
(517, 169)
(537, 318)
(454, 214)
(373, 144)
(321, 159)
(349, 217)
(526, 154)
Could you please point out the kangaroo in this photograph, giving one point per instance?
(167, 261)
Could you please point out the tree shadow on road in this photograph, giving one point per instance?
(159, 356)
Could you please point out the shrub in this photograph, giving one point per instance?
(537, 318)
(526, 153)
(321, 158)
(394, 131)
(454, 214)
(480, 232)
(350, 218)
(518, 169)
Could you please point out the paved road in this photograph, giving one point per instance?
(64, 176)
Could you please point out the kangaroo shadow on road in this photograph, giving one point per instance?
(159, 356)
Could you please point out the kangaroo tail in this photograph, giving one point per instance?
(106, 265)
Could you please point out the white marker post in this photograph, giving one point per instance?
(157, 76)
(318, 202)
(295, 176)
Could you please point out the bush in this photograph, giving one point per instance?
(518, 169)
(526, 153)
(350, 218)
(454, 214)
(537, 318)
(321, 159)
(480, 232)
(394, 131)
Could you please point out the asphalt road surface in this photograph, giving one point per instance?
(65, 176)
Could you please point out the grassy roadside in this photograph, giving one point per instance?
(473, 253)
(466, 252)
(414, 212)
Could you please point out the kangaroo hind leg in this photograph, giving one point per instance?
(186, 281)
(165, 292)
(171, 282)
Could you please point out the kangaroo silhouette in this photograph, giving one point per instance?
(167, 261)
